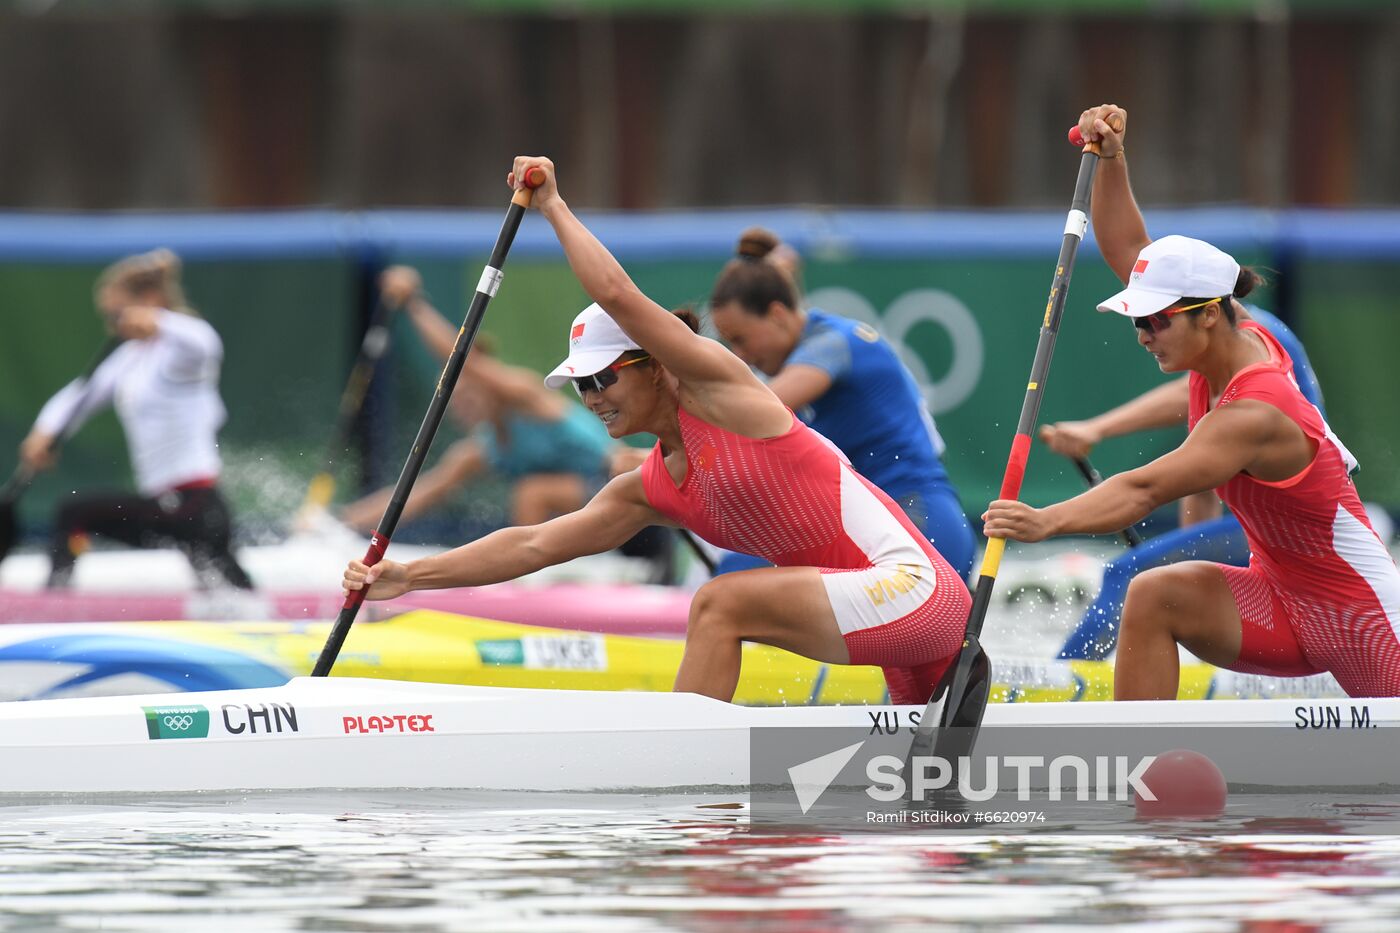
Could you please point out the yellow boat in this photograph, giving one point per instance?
(425, 645)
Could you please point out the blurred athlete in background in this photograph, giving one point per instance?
(164, 383)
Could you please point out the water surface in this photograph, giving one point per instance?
(448, 861)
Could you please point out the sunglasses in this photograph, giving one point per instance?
(602, 378)
(1156, 323)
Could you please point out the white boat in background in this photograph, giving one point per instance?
(347, 733)
(295, 565)
(1039, 600)
(299, 580)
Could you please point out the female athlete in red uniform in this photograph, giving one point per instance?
(1321, 592)
(855, 582)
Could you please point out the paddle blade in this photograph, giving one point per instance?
(9, 494)
(950, 722)
(321, 491)
(968, 693)
(8, 528)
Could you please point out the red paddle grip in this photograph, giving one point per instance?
(1076, 138)
(1016, 467)
(378, 544)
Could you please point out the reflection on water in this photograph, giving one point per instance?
(453, 861)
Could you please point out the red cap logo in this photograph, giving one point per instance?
(576, 333)
(1140, 267)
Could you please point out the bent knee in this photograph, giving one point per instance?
(1166, 596)
(715, 608)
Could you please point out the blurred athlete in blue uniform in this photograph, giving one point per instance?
(1204, 534)
(843, 380)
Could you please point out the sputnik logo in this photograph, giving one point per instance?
(811, 778)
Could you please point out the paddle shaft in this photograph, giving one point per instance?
(16, 485)
(24, 474)
(379, 541)
(697, 549)
(1075, 225)
(1091, 476)
(963, 691)
(372, 348)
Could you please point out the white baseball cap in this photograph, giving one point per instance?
(595, 341)
(1170, 269)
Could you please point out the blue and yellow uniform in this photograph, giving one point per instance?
(875, 413)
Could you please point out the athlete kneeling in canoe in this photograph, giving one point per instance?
(855, 581)
(1321, 592)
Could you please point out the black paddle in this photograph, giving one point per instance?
(948, 727)
(697, 549)
(1091, 476)
(372, 347)
(24, 474)
(379, 541)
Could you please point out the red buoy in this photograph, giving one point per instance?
(1186, 784)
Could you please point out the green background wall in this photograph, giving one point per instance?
(291, 325)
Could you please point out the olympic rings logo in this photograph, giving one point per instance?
(911, 310)
(177, 722)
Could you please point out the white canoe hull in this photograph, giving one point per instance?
(339, 733)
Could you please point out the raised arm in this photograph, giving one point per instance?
(610, 518)
(197, 349)
(437, 334)
(1119, 228)
(402, 287)
(688, 356)
(519, 387)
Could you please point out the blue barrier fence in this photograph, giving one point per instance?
(849, 234)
